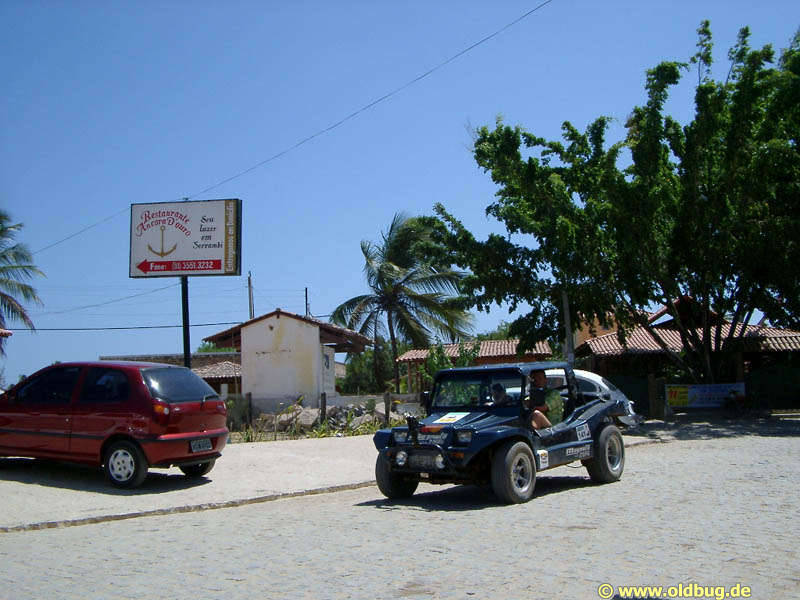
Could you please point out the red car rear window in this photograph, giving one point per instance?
(177, 385)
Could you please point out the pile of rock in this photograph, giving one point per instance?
(351, 416)
(339, 418)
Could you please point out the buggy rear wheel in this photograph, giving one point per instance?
(608, 461)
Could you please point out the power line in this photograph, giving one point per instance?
(330, 128)
(366, 107)
(77, 308)
(69, 237)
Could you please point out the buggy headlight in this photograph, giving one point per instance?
(400, 436)
(464, 437)
(439, 461)
(401, 458)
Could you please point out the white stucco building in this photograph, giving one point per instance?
(285, 355)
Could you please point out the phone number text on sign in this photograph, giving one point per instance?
(195, 265)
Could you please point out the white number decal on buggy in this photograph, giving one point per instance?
(451, 418)
(583, 432)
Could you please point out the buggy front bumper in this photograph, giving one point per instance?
(432, 459)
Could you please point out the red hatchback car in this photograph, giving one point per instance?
(124, 416)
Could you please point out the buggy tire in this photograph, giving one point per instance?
(392, 485)
(199, 469)
(608, 462)
(125, 464)
(513, 472)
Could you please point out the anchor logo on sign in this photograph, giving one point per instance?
(163, 252)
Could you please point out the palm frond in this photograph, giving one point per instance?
(358, 314)
(418, 296)
(16, 269)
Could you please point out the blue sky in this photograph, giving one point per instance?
(107, 104)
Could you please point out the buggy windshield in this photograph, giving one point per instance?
(477, 389)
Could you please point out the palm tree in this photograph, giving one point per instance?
(16, 267)
(410, 297)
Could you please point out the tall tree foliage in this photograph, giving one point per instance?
(709, 210)
(501, 332)
(411, 292)
(437, 359)
(16, 269)
(211, 347)
(361, 371)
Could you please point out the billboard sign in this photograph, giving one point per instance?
(702, 396)
(170, 239)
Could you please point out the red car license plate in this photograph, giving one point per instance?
(201, 445)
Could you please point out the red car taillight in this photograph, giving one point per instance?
(161, 410)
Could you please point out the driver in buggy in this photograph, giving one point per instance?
(499, 395)
(546, 404)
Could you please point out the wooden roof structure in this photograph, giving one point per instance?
(340, 338)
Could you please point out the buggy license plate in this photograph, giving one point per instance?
(421, 461)
(201, 445)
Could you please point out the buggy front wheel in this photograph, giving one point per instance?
(393, 485)
(513, 472)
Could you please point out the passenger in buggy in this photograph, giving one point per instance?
(546, 404)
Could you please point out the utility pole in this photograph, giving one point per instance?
(308, 311)
(250, 295)
(187, 350)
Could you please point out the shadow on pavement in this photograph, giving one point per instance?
(82, 478)
(706, 427)
(459, 498)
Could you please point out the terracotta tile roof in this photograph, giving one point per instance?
(5, 333)
(489, 349)
(220, 370)
(638, 341)
(773, 340)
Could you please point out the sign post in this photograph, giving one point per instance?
(179, 239)
(187, 349)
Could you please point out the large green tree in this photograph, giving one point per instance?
(412, 294)
(501, 332)
(211, 347)
(16, 269)
(710, 210)
(361, 371)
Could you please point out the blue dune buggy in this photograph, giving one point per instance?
(473, 435)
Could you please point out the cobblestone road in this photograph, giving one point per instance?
(715, 512)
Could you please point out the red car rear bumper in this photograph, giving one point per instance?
(176, 448)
